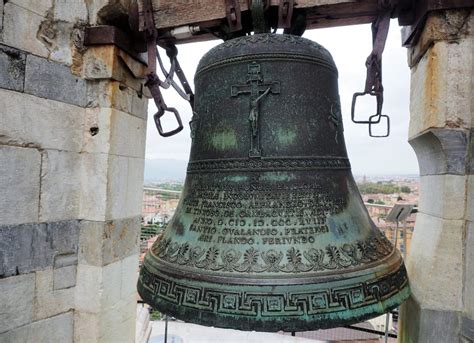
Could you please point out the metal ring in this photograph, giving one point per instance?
(378, 120)
(157, 118)
(354, 100)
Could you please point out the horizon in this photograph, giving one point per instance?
(184, 163)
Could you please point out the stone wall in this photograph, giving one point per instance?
(441, 261)
(72, 141)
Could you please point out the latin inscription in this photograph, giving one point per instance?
(260, 214)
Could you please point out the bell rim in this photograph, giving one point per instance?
(348, 314)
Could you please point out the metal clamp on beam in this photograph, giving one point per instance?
(285, 12)
(233, 14)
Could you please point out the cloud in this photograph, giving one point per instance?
(349, 47)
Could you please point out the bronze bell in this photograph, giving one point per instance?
(271, 232)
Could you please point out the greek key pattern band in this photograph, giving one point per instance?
(268, 304)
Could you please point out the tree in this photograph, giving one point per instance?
(405, 189)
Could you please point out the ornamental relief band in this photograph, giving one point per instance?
(255, 261)
(308, 302)
(249, 227)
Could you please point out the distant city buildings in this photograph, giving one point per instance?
(158, 207)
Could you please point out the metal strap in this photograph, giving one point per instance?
(233, 14)
(153, 81)
(185, 92)
(285, 12)
(258, 16)
(373, 82)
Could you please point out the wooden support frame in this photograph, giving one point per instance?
(170, 14)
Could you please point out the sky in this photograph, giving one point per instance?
(349, 46)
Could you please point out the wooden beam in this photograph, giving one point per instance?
(343, 13)
(322, 13)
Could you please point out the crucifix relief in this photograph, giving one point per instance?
(258, 89)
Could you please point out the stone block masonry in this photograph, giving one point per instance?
(52, 80)
(70, 180)
(13, 62)
(440, 265)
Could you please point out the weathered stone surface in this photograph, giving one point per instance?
(20, 27)
(99, 288)
(125, 187)
(30, 247)
(105, 93)
(54, 81)
(118, 324)
(467, 328)
(20, 185)
(441, 88)
(88, 290)
(449, 200)
(440, 265)
(471, 155)
(435, 263)
(107, 62)
(114, 187)
(57, 329)
(65, 260)
(48, 300)
(468, 296)
(442, 151)
(103, 243)
(60, 38)
(70, 11)
(39, 7)
(105, 11)
(86, 327)
(43, 29)
(116, 130)
(12, 65)
(111, 284)
(143, 325)
(449, 25)
(470, 198)
(1, 17)
(60, 185)
(129, 277)
(426, 325)
(34, 122)
(64, 277)
(94, 183)
(16, 299)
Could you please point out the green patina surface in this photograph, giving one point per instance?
(224, 140)
(286, 136)
(270, 233)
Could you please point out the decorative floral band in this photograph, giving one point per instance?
(269, 164)
(252, 260)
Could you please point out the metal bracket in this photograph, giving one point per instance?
(233, 14)
(285, 12)
(105, 34)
